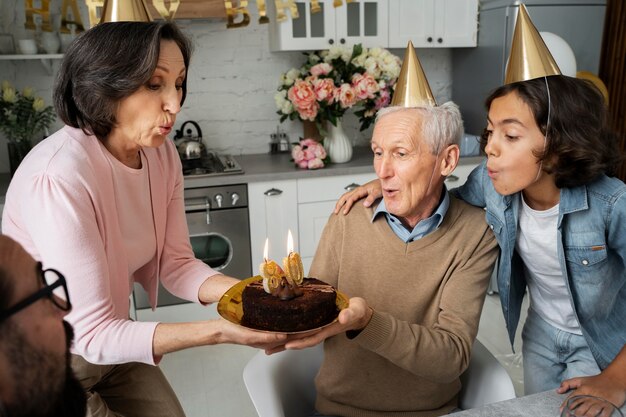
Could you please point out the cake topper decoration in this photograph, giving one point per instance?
(412, 88)
(529, 58)
(282, 283)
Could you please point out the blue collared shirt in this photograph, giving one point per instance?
(422, 228)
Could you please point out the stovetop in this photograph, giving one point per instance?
(211, 165)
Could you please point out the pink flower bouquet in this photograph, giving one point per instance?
(335, 80)
(309, 154)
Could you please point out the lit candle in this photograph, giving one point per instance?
(293, 263)
(289, 242)
(270, 271)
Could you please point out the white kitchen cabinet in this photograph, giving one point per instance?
(363, 22)
(273, 208)
(433, 23)
(316, 200)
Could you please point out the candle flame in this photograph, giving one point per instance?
(289, 242)
(266, 250)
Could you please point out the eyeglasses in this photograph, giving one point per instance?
(56, 280)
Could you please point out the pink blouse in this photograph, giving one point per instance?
(60, 206)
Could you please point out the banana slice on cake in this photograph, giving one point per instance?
(271, 273)
(294, 268)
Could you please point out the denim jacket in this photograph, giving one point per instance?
(591, 240)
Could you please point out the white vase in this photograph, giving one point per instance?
(338, 144)
(50, 42)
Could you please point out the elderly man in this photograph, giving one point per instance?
(416, 265)
(35, 374)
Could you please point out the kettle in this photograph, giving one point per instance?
(189, 147)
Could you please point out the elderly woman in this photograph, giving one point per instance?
(102, 201)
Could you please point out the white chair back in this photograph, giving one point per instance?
(282, 385)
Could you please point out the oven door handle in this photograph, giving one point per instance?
(196, 204)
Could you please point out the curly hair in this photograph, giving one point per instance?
(580, 145)
(106, 64)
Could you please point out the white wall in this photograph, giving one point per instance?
(233, 77)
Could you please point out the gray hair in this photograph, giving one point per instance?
(441, 125)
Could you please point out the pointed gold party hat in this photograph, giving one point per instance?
(412, 89)
(125, 11)
(530, 58)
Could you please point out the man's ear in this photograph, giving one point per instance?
(450, 159)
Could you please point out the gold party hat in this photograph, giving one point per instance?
(530, 58)
(412, 89)
(125, 11)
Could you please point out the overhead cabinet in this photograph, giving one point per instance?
(433, 23)
(363, 22)
(382, 23)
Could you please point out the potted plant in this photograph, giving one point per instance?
(22, 116)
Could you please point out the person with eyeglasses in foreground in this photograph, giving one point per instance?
(36, 379)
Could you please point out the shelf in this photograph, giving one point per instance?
(13, 57)
(45, 59)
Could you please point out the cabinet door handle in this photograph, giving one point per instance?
(273, 191)
(439, 40)
(452, 178)
(351, 187)
(331, 41)
(429, 39)
(342, 41)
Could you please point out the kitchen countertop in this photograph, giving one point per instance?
(275, 167)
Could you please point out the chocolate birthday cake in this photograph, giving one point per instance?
(288, 307)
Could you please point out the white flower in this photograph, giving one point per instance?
(6, 84)
(314, 59)
(375, 52)
(290, 77)
(285, 106)
(360, 60)
(333, 53)
(346, 54)
(371, 66)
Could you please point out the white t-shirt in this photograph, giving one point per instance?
(134, 210)
(536, 244)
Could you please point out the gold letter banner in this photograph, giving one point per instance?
(260, 4)
(43, 11)
(315, 6)
(167, 14)
(232, 12)
(94, 6)
(71, 17)
(280, 9)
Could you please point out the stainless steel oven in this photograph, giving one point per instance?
(219, 232)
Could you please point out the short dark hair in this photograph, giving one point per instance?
(579, 139)
(106, 64)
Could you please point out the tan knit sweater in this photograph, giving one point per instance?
(427, 297)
